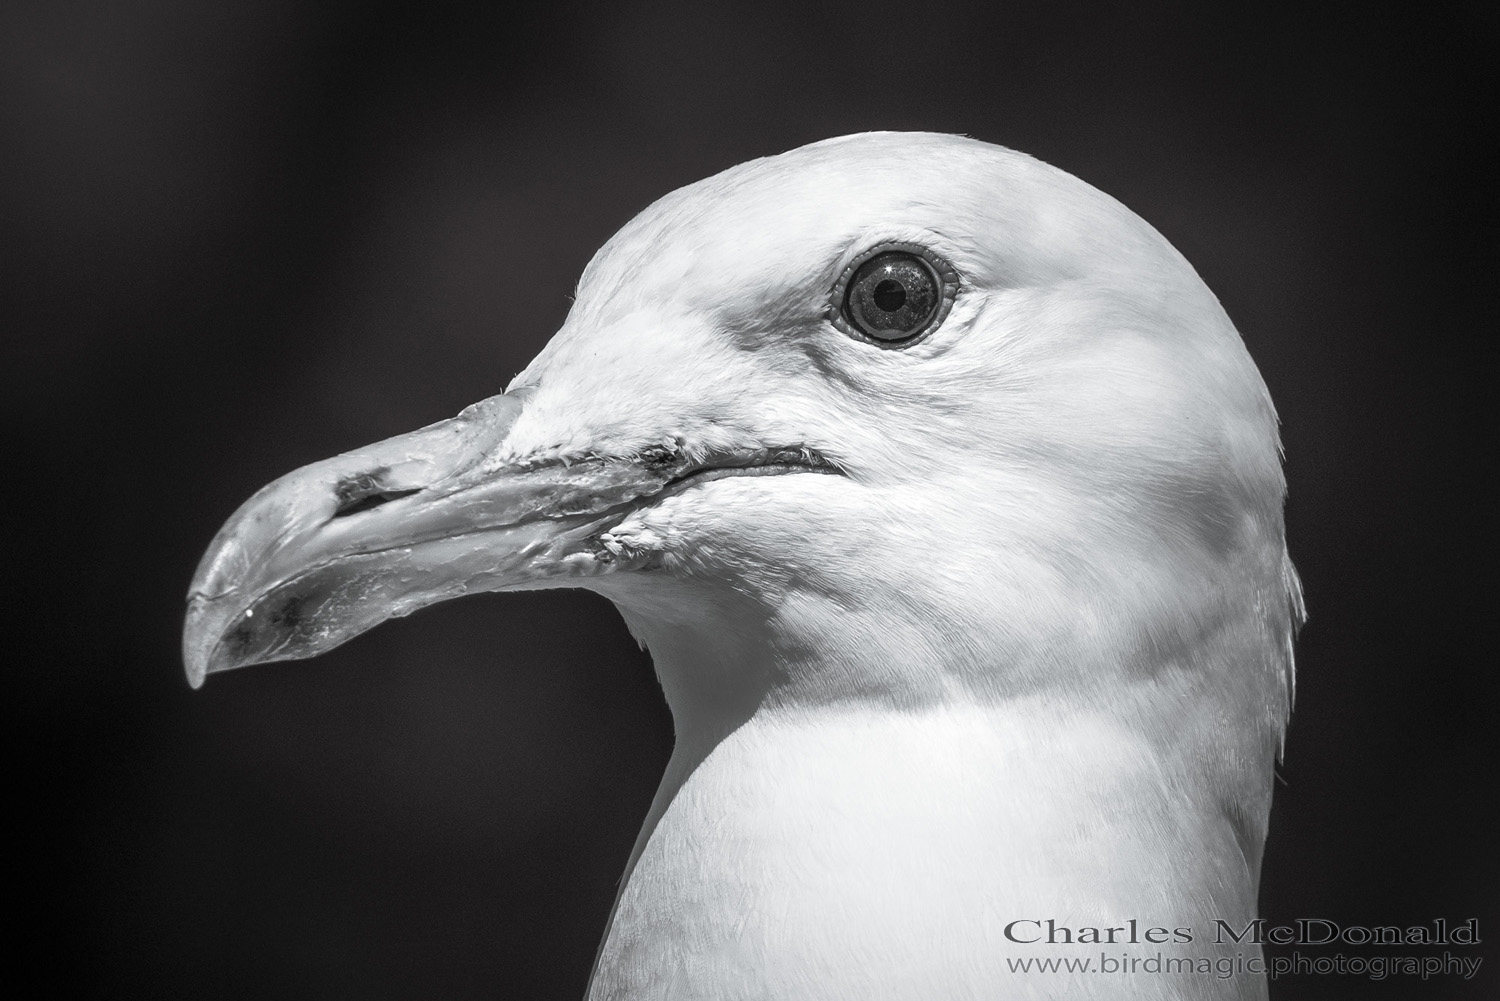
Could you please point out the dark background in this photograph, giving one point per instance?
(237, 237)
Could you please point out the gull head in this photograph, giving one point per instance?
(892, 418)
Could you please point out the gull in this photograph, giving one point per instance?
(948, 503)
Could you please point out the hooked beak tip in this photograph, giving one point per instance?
(198, 642)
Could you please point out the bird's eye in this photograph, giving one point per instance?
(893, 295)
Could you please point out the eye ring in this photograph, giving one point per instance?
(903, 296)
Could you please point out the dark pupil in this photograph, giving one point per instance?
(893, 296)
(889, 295)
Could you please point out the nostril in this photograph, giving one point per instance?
(362, 493)
(371, 501)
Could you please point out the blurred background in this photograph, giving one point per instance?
(237, 237)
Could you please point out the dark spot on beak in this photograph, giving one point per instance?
(239, 637)
(364, 492)
(289, 615)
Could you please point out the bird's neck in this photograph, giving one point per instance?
(812, 786)
(858, 841)
(1201, 715)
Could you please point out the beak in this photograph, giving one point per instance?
(334, 548)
